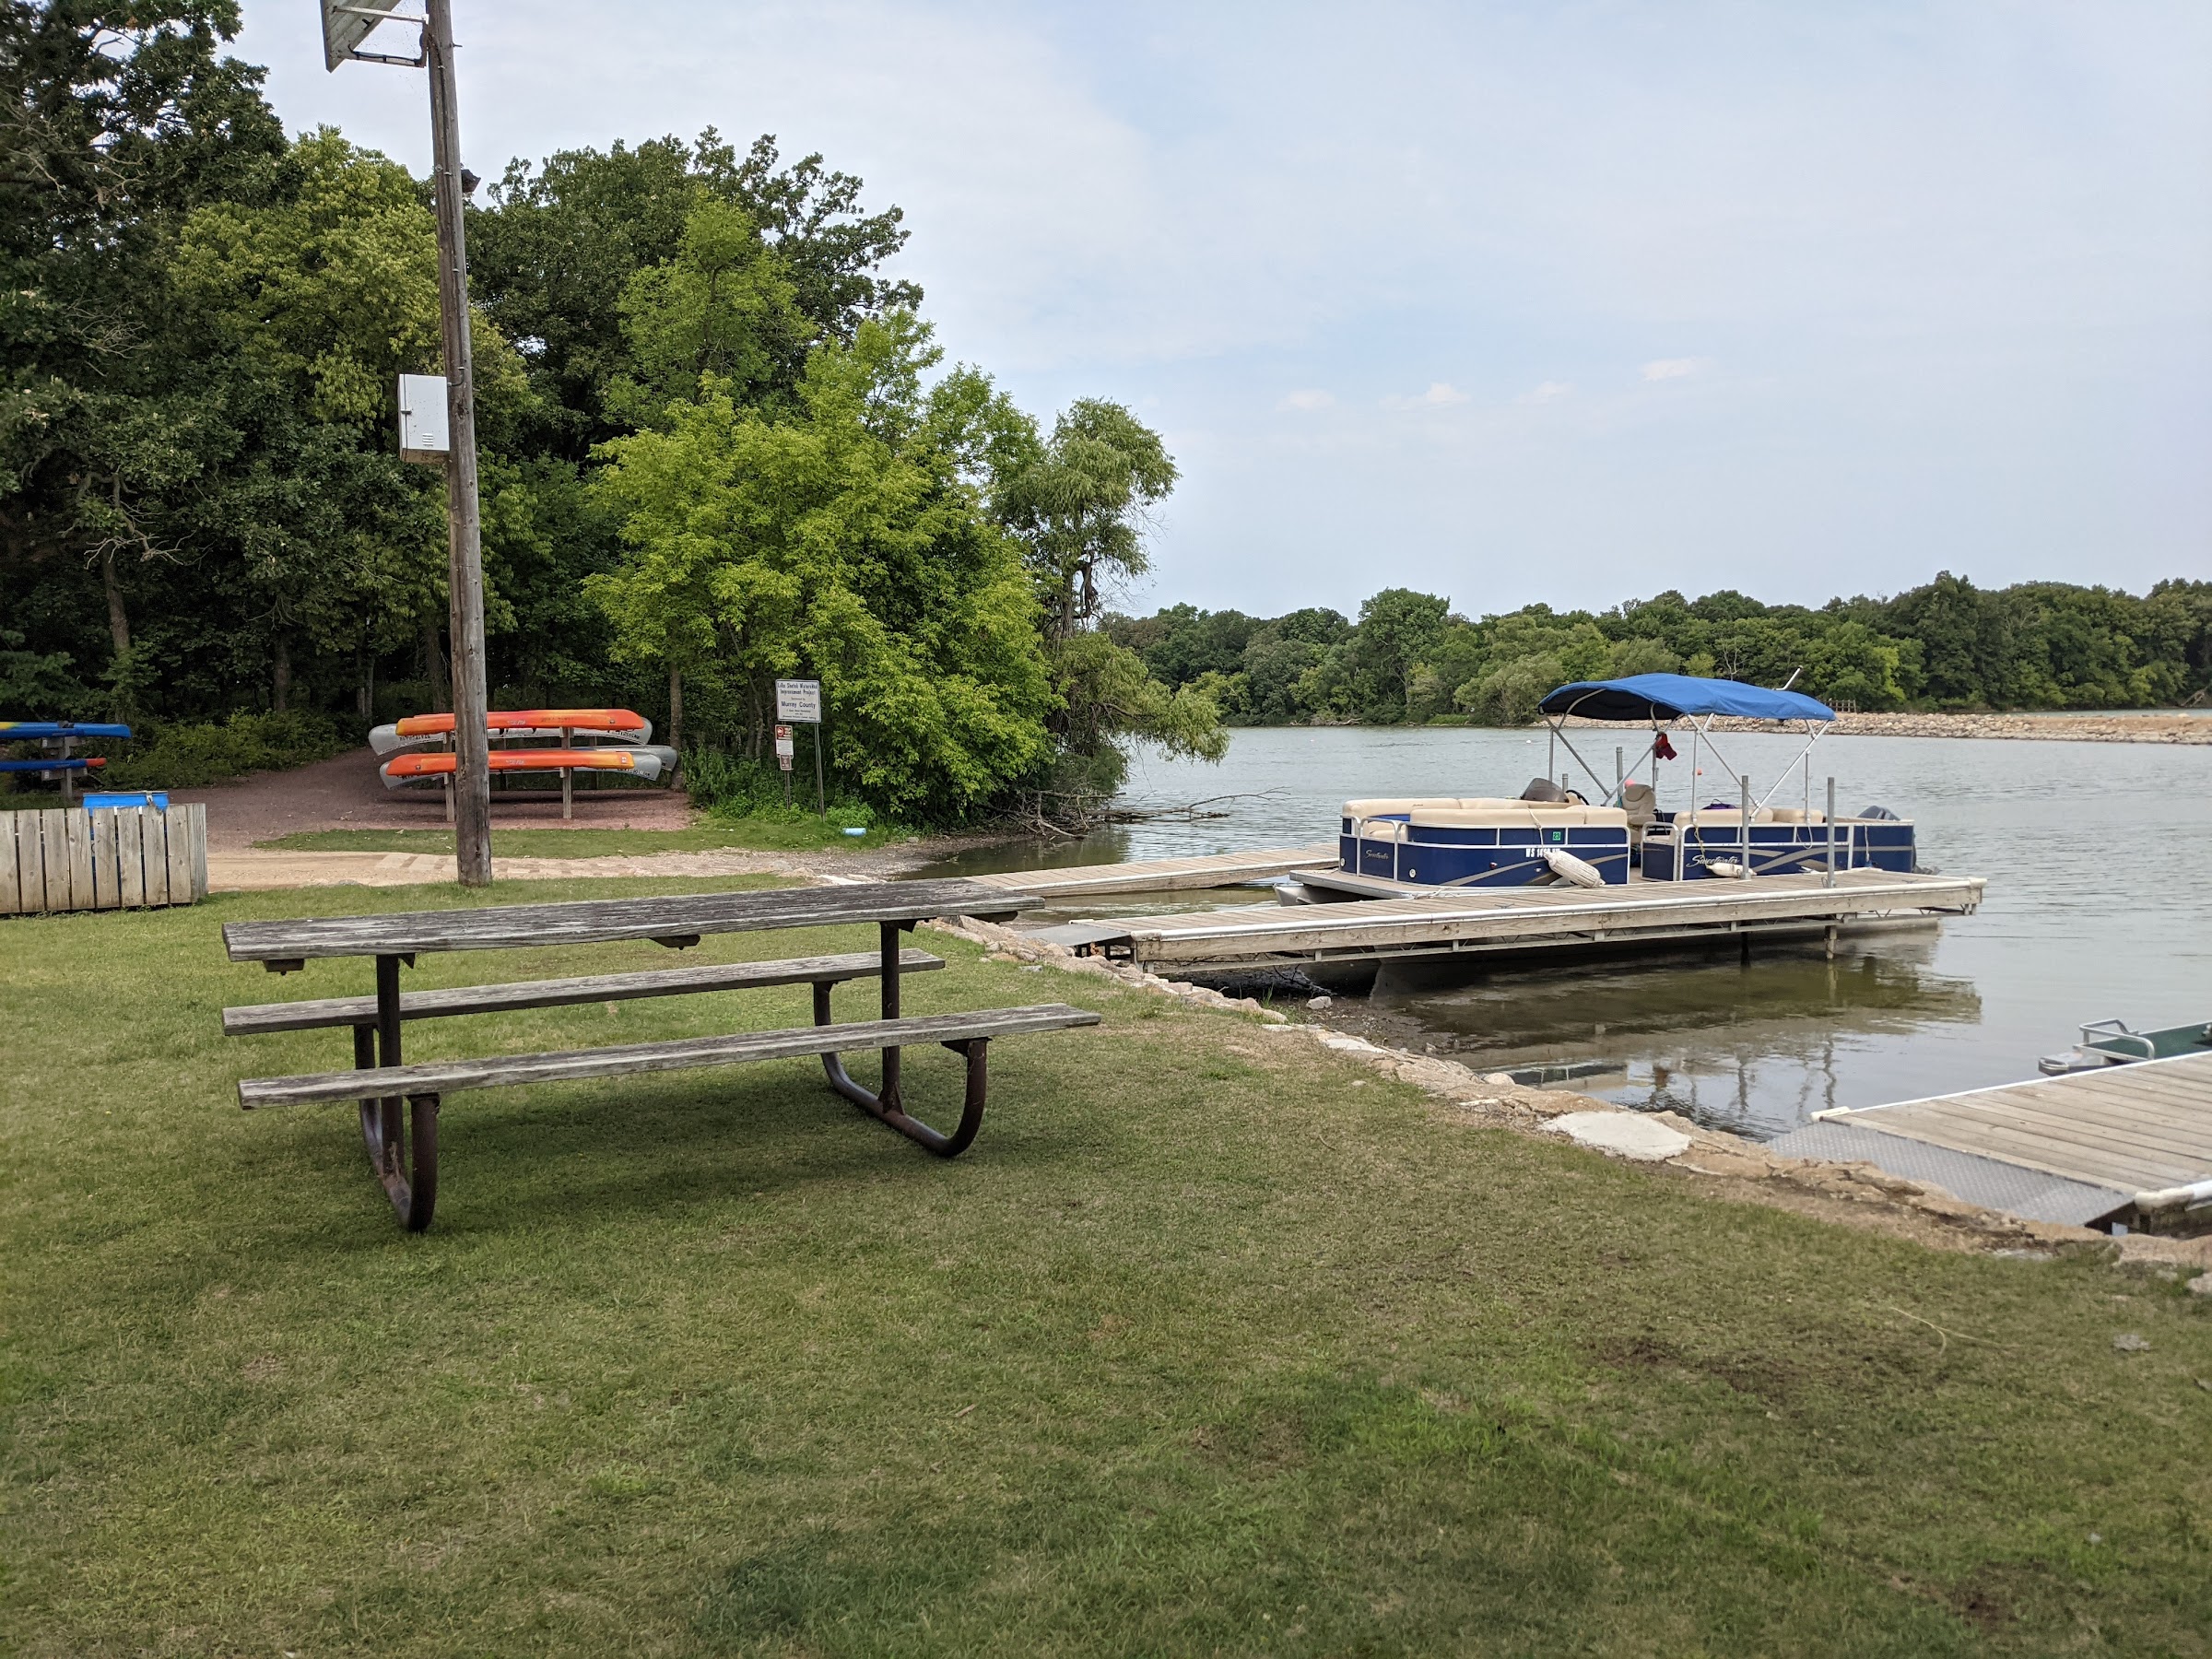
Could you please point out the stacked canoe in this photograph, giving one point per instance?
(594, 740)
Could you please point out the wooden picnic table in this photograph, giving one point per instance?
(402, 1146)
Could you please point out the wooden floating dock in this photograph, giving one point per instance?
(1460, 922)
(2107, 1145)
(1167, 874)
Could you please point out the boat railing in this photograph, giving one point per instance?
(2107, 1035)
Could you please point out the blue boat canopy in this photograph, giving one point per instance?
(1667, 695)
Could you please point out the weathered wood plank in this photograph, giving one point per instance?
(76, 829)
(31, 870)
(154, 826)
(449, 1076)
(106, 878)
(507, 927)
(130, 857)
(569, 992)
(53, 859)
(11, 892)
(195, 822)
(176, 827)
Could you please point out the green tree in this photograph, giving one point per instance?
(1079, 505)
(849, 542)
(721, 311)
(1399, 629)
(121, 119)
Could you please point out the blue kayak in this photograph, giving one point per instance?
(17, 731)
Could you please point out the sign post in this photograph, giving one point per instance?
(785, 751)
(800, 702)
(345, 26)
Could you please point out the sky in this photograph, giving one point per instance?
(1568, 302)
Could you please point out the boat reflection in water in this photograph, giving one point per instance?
(1751, 1047)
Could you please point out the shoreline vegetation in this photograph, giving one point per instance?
(1946, 648)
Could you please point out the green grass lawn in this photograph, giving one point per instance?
(1212, 1343)
(752, 835)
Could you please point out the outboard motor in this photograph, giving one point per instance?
(1543, 789)
(1879, 812)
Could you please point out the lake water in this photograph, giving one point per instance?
(2099, 903)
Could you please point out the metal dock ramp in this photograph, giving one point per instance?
(2093, 1147)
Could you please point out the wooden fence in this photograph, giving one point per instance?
(118, 858)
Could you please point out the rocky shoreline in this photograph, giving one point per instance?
(2061, 728)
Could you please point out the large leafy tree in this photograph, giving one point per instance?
(121, 120)
(555, 253)
(848, 541)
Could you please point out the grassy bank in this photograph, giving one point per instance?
(1212, 1343)
(746, 835)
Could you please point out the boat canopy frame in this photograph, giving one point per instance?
(1660, 699)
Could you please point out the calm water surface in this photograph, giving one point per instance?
(2099, 903)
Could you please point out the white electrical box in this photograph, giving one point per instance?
(425, 432)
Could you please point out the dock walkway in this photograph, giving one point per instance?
(1167, 874)
(1457, 922)
(2088, 1148)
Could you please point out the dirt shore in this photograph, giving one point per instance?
(2063, 728)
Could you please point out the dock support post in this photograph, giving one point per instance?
(1830, 931)
(1620, 773)
(1743, 837)
(1830, 880)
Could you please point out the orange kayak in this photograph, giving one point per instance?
(552, 720)
(645, 763)
(624, 725)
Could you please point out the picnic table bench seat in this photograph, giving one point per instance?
(423, 1084)
(399, 1103)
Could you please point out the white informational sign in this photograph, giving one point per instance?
(424, 434)
(799, 700)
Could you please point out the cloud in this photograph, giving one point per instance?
(1306, 400)
(1550, 392)
(1667, 369)
(1440, 394)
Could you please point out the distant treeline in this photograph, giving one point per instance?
(1947, 645)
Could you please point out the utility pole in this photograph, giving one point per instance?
(343, 28)
(464, 524)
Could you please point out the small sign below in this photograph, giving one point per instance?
(786, 747)
(799, 700)
(424, 413)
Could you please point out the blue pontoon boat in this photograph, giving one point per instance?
(1618, 831)
(1746, 835)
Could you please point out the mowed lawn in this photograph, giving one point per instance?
(1213, 1343)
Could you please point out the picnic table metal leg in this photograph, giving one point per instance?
(403, 1149)
(888, 1092)
(885, 1104)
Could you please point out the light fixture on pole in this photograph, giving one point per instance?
(345, 28)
